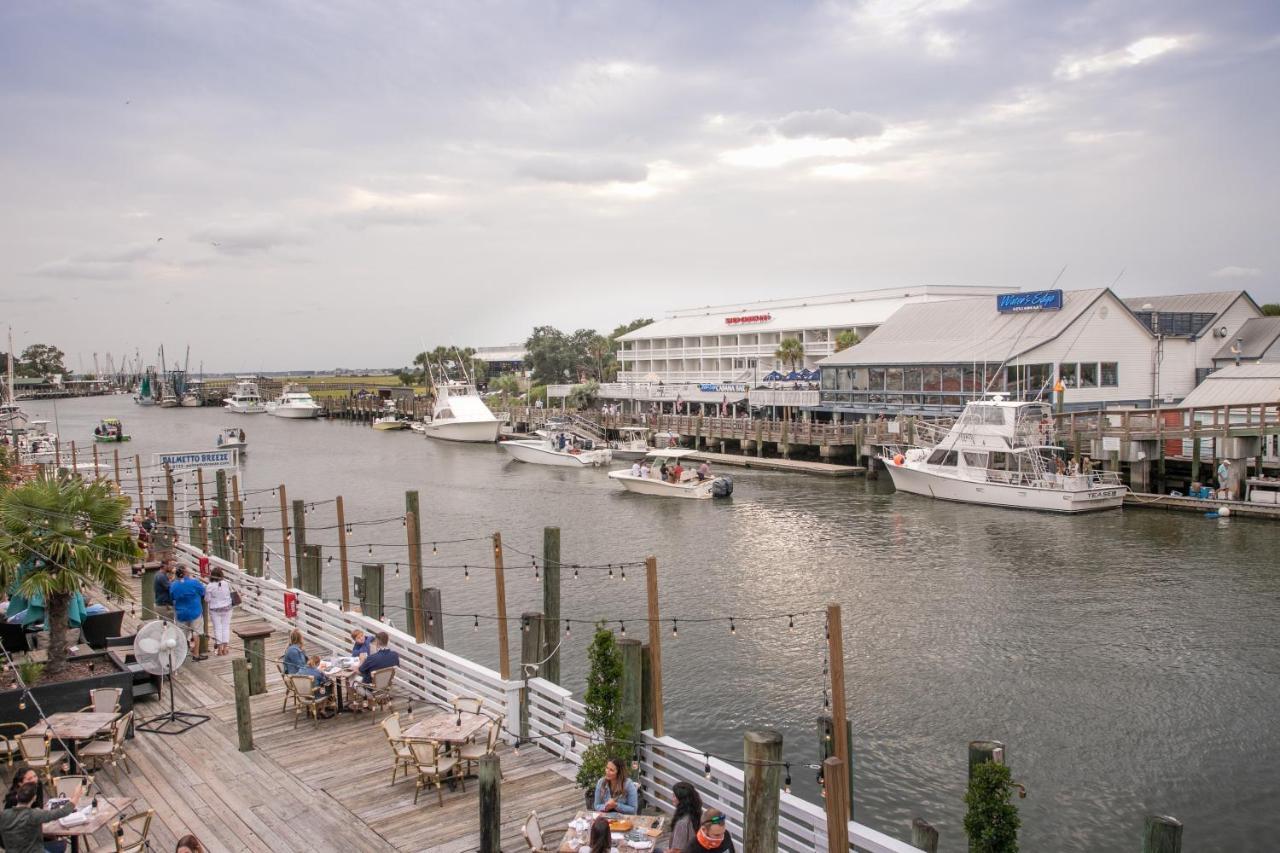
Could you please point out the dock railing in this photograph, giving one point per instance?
(556, 720)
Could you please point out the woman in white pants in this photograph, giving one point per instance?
(218, 596)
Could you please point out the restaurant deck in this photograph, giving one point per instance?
(319, 787)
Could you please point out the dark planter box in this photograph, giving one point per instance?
(68, 695)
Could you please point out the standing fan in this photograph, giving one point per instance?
(160, 648)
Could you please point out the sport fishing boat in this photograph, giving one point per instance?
(632, 443)
(37, 444)
(11, 415)
(232, 437)
(458, 413)
(294, 402)
(686, 486)
(245, 399)
(110, 430)
(549, 451)
(1002, 453)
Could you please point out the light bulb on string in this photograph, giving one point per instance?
(733, 629)
(786, 783)
(397, 570)
(675, 628)
(624, 628)
(568, 628)
(706, 765)
(791, 622)
(624, 572)
(611, 572)
(575, 572)
(433, 548)
(466, 573)
(476, 626)
(524, 624)
(370, 549)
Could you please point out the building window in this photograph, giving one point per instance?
(1177, 323)
(1110, 374)
(876, 379)
(911, 379)
(893, 379)
(933, 379)
(951, 380)
(1089, 374)
(1068, 374)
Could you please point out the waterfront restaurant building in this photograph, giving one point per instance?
(736, 343)
(932, 358)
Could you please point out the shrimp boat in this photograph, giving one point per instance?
(688, 486)
(1001, 453)
(546, 451)
(458, 413)
(245, 399)
(110, 430)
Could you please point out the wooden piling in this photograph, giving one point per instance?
(835, 647)
(115, 461)
(500, 591)
(632, 673)
(646, 687)
(168, 494)
(371, 590)
(415, 577)
(827, 747)
(284, 537)
(252, 543)
(835, 781)
(221, 529)
(530, 655)
(137, 472)
(57, 453)
(204, 530)
(434, 610)
(149, 591)
(924, 836)
(982, 751)
(655, 643)
(97, 474)
(551, 603)
(244, 714)
(310, 571)
(761, 753)
(75, 461)
(299, 532)
(1162, 834)
(342, 554)
(490, 804)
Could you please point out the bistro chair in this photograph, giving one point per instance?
(103, 700)
(36, 752)
(468, 704)
(380, 681)
(129, 836)
(395, 737)
(109, 753)
(65, 786)
(289, 694)
(308, 702)
(534, 835)
(472, 752)
(9, 733)
(433, 767)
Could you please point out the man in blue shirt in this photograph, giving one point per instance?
(188, 606)
(381, 658)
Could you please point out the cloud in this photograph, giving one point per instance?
(366, 208)
(101, 265)
(828, 124)
(250, 236)
(1140, 51)
(584, 170)
(1236, 272)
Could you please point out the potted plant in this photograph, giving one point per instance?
(603, 700)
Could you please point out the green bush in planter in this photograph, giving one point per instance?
(992, 820)
(603, 699)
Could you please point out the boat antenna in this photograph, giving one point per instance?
(1008, 355)
(462, 365)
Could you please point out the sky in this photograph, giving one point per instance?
(287, 185)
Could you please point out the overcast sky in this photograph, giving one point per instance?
(320, 184)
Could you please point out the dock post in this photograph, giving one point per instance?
(342, 554)
(430, 615)
(115, 459)
(982, 751)
(835, 650)
(655, 644)
(646, 687)
(137, 473)
(370, 590)
(309, 571)
(299, 532)
(149, 570)
(761, 753)
(1162, 834)
(284, 538)
(220, 526)
(551, 603)
(530, 655)
(827, 747)
(168, 495)
(632, 672)
(500, 592)
(244, 715)
(204, 525)
(252, 541)
(413, 530)
(837, 805)
(97, 472)
(193, 526)
(490, 804)
(924, 836)
(75, 460)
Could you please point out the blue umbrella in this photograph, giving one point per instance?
(805, 373)
(793, 376)
(772, 376)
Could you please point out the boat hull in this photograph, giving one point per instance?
(389, 425)
(144, 401)
(192, 402)
(245, 408)
(689, 490)
(474, 431)
(918, 481)
(301, 413)
(537, 453)
(112, 439)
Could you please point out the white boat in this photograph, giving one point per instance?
(688, 485)
(232, 437)
(1000, 453)
(245, 399)
(11, 415)
(294, 402)
(37, 444)
(547, 451)
(418, 427)
(632, 443)
(191, 400)
(458, 413)
(390, 421)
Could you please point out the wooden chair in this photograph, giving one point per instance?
(433, 768)
(534, 835)
(109, 753)
(395, 737)
(9, 733)
(129, 836)
(468, 704)
(308, 702)
(379, 688)
(38, 755)
(472, 752)
(289, 695)
(65, 786)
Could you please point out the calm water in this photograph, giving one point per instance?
(1130, 661)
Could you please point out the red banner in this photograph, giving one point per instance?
(204, 568)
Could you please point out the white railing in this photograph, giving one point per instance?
(771, 397)
(556, 719)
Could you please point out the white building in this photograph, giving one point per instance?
(736, 343)
(931, 358)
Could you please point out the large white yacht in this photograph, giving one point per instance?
(1002, 453)
(294, 402)
(245, 399)
(458, 413)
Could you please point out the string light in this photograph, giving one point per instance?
(433, 548)
(791, 622)
(524, 624)
(466, 573)
(786, 784)
(575, 572)
(568, 628)
(624, 628)
(706, 765)
(476, 626)
(675, 629)
(611, 572)
(732, 628)
(624, 572)
(370, 549)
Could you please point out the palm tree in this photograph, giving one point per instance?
(61, 533)
(508, 385)
(846, 338)
(790, 352)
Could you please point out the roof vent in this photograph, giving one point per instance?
(1220, 332)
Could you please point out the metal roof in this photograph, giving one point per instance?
(1256, 337)
(1188, 303)
(1237, 385)
(966, 330)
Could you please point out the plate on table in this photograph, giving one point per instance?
(620, 826)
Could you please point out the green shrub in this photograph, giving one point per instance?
(992, 820)
(30, 671)
(603, 699)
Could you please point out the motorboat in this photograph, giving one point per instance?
(232, 437)
(294, 402)
(418, 427)
(110, 430)
(191, 400)
(666, 439)
(245, 399)
(552, 451)
(458, 413)
(687, 485)
(1002, 453)
(632, 443)
(390, 421)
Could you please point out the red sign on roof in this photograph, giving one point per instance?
(748, 318)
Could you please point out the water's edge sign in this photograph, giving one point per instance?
(1036, 300)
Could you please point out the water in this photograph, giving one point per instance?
(1130, 661)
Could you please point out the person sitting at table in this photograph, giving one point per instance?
(22, 776)
(615, 792)
(312, 668)
(189, 844)
(713, 836)
(294, 657)
(20, 825)
(361, 644)
(600, 840)
(381, 658)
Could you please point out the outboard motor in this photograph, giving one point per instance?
(722, 487)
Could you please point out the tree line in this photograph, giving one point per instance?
(38, 361)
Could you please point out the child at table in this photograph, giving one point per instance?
(321, 681)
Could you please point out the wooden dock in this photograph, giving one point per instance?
(1240, 509)
(794, 466)
(319, 787)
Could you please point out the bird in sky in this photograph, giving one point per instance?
(159, 239)
(215, 244)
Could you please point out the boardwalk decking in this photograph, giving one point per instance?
(319, 787)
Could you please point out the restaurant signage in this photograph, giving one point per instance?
(722, 386)
(748, 318)
(214, 459)
(1036, 300)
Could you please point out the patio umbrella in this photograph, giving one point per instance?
(772, 376)
(793, 376)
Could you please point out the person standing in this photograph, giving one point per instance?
(1224, 476)
(164, 601)
(188, 607)
(217, 596)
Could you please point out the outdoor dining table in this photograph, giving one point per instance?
(651, 825)
(106, 811)
(342, 678)
(72, 727)
(446, 726)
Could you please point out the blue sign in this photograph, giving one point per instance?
(1036, 300)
